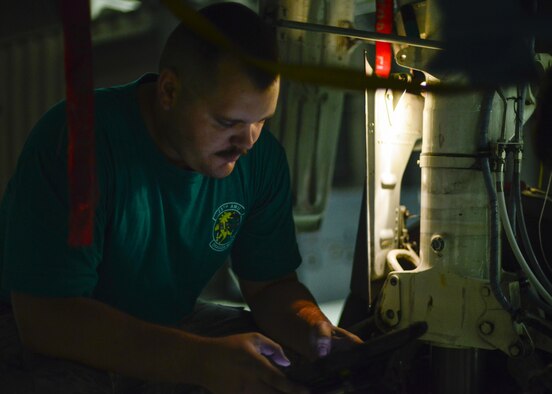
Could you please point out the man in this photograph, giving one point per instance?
(186, 178)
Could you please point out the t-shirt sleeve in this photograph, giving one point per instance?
(36, 257)
(266, 246)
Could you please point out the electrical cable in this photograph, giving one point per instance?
(517, 139)
(494, 266)
(536, 268)
(540, 219)
(536, 298)
(532, 258)
(514, 245)
(516, 195)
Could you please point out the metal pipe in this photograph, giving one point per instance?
(457, 371)
(360, 34)
(522, 95)
(454, 204)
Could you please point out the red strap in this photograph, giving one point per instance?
(81, 159)
(384, 25)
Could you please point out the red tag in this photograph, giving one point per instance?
(383, 59)
(384, 25)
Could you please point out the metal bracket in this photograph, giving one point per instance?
(390, 306)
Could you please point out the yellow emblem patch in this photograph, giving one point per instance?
(227, 218)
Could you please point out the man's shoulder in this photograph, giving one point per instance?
(110, 99)
(266, 155)
(266, 162)
(268, 143)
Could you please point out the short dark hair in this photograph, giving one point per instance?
(195, 59)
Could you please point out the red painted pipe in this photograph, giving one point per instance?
(81, 158)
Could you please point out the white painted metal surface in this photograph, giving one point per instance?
(398, 125)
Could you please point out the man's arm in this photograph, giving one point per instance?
(286, 311)
(90, 332)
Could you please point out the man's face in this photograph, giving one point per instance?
(210, 132)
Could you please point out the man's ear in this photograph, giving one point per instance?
(168, 88)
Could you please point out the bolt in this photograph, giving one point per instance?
(394, 281)
(390, 314)
(514, 350)
(371, 127)
(403, 56)
(485, 291)
(486, 328)
(437, 243)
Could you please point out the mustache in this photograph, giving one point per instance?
(233, 152)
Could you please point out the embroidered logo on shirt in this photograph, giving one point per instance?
(227, 220)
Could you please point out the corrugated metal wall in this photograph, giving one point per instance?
(308, 119)
(31, 80)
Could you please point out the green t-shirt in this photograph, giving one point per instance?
(160, 232)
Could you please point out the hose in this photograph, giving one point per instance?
(514, 245)
(532, 258)
(534, 296)
(494, 266)
(518, 139)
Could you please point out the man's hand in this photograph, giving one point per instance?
(326, 337)
(244, 363)
(285, 310)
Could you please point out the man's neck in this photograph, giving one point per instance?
(151, 115)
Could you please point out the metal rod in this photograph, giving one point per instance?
(361, 35)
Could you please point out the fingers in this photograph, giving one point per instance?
(323, 338)
(274, 352)
(327, 336)
(247, 364)
(270, 375)
(323, 346)
(346, 334)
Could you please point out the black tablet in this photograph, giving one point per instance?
(354, 367)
